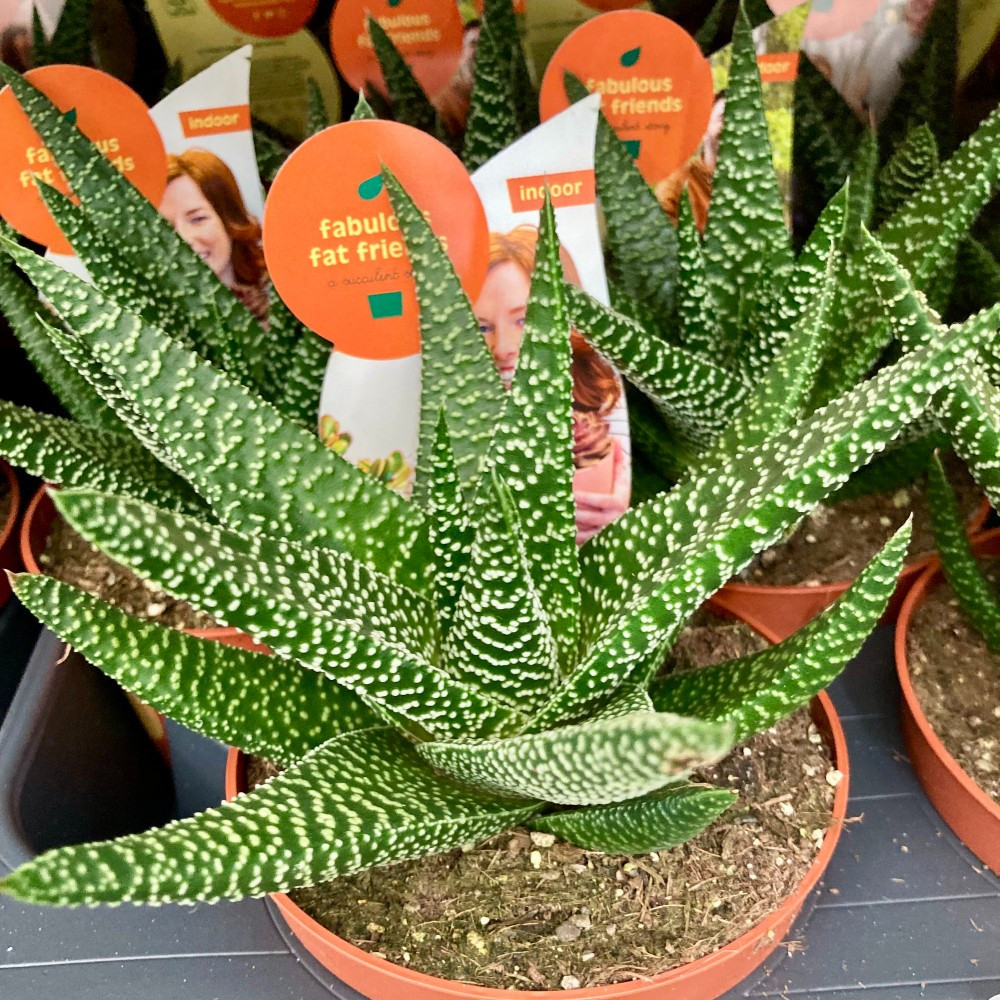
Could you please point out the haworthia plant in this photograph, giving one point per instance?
(450, 667)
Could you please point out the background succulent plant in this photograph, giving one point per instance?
(443, 668)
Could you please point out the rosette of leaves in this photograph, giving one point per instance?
(447, 667)
(132, 253)
(732, 335)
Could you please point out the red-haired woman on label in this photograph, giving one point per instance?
(602, 481)
(203, 203)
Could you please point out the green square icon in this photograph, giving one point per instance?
(385, 305)
(632, 145)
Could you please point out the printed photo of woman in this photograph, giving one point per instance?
(601, 485)
(203, 203)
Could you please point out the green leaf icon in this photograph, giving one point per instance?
(395, 3)
(70, 116)
(631, 57)
(370, 188)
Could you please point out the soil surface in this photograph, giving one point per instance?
(957, 682)
(70, 558)
(835, 542)
(526, 910)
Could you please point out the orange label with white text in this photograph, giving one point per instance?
(107, 112)
(778, 67)
(265, 18)
(215, 121)
(333, 245)
(656, 85)
(428, 34)
(575, 187)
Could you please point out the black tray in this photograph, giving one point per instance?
(905, 911)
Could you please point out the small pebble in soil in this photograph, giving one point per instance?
(570, 983)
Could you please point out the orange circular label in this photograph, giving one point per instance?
(428, 34)
(656, 86)
(333, 245)
(830, 18)
(111, 115)
(265, 18)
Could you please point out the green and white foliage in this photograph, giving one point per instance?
(975, 592)
(410, 105)
(446, 668)
(439, 676)
(785, 334)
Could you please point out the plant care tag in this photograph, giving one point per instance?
(195, 36)
(265, 18)
(655, 83)
(557, 156)
(110, 114)
(333, 245)
(428, 34)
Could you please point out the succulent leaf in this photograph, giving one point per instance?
(604, 761)
(493, 120)
(907, 170)
(265, 705)
(533, 444)
(500, 639)
(697, 329)
(499, 15)
(758, 690)
(745, 218)
(458, 375)
(317, 117)
(410, 105)
(361, 799)
(976, 594)
(654, 822)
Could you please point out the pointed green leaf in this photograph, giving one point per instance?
(362, 799)
(533, 445)
(605, 761)
(303, 379)
(655, 822)
(410, 105)
(270, 155)
(363, 111)
(756, 691)
(499, 15)
(317, 116)
(265, 705)
(72, 39)
(258, 470)
(458, 375)
(448, 526)
(908, 169)
(695, 396)
(500, 640)
(746, 217)
(696, 326)
(316, 623)
(976, 594)
(71, 454)
(493, 123)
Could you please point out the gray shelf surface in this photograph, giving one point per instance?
(905, 912)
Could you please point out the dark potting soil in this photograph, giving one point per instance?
(70, 558)
(525, 910)
(957, 682)
(835, 542)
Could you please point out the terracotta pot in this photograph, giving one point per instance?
(35, 530)
(780, 611)
(705, 979)
(964, 806)
(9, 556)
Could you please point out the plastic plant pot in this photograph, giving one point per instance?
(705, 979)
(780, 611)
(9, 555)
(35, 530)
(972, 814)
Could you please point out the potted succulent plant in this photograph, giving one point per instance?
(946, 658)
(447, 668)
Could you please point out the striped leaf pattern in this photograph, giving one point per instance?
(410, 105)
(493, 119)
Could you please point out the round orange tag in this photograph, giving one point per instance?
(265, 18)
(332, 243)
(830, 18)
(111, 115)
(656, 85)
(428, 34)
